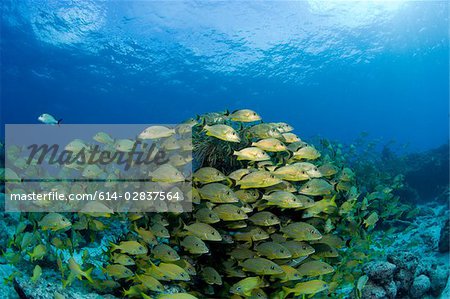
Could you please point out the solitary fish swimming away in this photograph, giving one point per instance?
(49, 119)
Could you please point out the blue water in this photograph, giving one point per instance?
(333, 68)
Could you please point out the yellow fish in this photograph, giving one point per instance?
(37, 272)
(211, 276)
(307, 152)
(230, 212)
(174, 272)
(54, 222)
(76, 270)
(328, 170)
(118, 271)
(165, 253)
(167, 173)
(263, 131)
(238, 174)
(194, 245)
(270, 145)
(122, 259)
(38, 253)
(218, 193)
(222, 132)
(251, 234)
(371, 220)
(146, 235)
(323, 250)
(203, 231)
(258, 179)
(159, 230)
(306, 288)
(290, 137)
(316, 187)
(314, 268)
(241, 253)
(103, 137)
(264, 219)
(261, 266)
(244, 115)
(301, 231)
(298, 248)
(206, 215)
(129, 247)
(207, 175)
(290, 273)
(245, 286)
(273, 250)
(247, 195)
(156, 132)
(251, 154)
(150, 283)
(292, 172)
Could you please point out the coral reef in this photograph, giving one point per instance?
(444, 237)
(412, 267)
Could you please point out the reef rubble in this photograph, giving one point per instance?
(413, 266)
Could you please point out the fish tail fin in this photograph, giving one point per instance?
(114, 247)
(87, 274)
(333, 199)
(203, 123)
(59, 121)
(230, 182)
(31, 255)
(286, 291)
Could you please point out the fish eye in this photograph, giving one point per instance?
(307, 187)
(213, 233)
(210, 215)
(272, 267)
(304, 247)
(196, 244)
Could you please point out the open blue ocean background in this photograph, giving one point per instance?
(330, 68)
